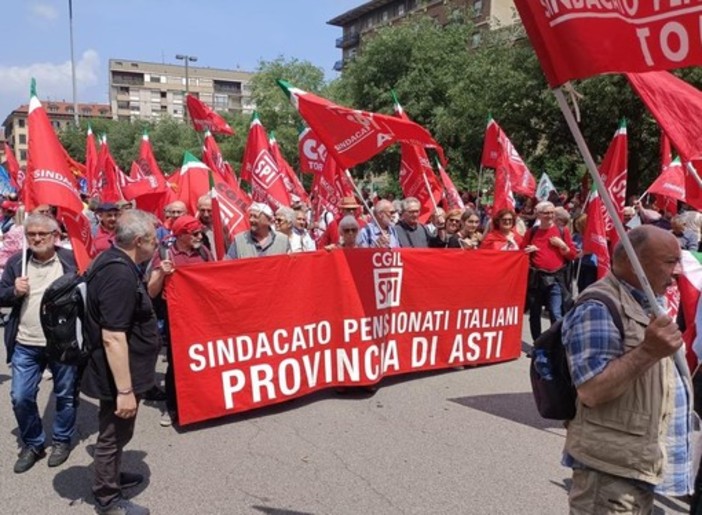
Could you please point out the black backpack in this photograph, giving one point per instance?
(551, 383)
(70, 333)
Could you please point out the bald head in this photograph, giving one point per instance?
(658, 252)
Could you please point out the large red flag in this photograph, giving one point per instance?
(204, 118)
(229, 207)
(329, 187)
(13, 168)
(669, 187)
(503, 198)
(260, 169)
(595, 235)
(212, 157)
(50, 181)
(613, 171)
(496, 143)
(312, 151)
(292, 183)
(354, 136)
(91, 162)
(107, 182)
(417, 178)
(574, 40)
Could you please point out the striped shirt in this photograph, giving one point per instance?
(592, 340)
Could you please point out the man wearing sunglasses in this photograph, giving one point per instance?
(187, 249)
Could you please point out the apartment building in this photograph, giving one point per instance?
(146, 91)
(361, 22)
(61, 115)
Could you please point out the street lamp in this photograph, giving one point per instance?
(187, 59)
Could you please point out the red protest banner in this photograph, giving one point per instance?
(574, 40)
(256, 332)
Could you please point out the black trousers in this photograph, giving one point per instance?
(114, 433)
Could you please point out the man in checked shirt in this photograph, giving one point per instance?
(632, 434)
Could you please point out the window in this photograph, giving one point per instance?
(477, 7)
(69, 109)
(401, 10)
(163, 94)
(155, 78)
(104, 111)
(122, 105)
(86, 111)
(23, 155)
(123, 89)
(475, 40)
(22, 139)
(21, 123)
(135, 65)
(56, 124)
(53, 108)
(221, 102)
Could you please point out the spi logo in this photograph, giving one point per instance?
(387, 279)
(265, 169)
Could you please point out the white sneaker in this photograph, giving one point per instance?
(167, 419)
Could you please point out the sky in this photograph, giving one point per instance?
(232, 34)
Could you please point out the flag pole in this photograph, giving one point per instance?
(693, 172)
(480, 181)
(363, 201)
(431, 195)
(604, 195)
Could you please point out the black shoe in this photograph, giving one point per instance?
(121, 507)
(130, 479)
(154, 394)
(27, 458)
(59, 453)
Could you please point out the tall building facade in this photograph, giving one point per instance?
(61, 115)
(147, 91)
(361, 22)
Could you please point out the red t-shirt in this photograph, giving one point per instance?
(548, 257)
(102, 239)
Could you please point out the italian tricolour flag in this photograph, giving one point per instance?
(690, 285)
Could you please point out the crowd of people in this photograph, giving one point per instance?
(138, 252)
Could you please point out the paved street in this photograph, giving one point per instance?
(461, 441)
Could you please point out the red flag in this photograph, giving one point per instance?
(354, 136)
(212, 157)
(107, 178)
(329, 187)
(292, 183)
(146, 185)
(260, 169)
(50, 181)
(503, 198)
(595, 235)
(666, 151)
(574, 40)
(91, 162)
(417, 177)
(204, 118)
(669, 187)
(229, 208)
(497, 143)
(453, 199)
(13, 168)
(613, 171)
(312, 151)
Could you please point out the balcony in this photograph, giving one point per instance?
(338, 66)
(348, 40)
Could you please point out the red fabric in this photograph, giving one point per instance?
(50, 181)
(328, 188)
(548, 257)
(91, 164)
(497, 148)
(185, 224)
(292, 183)
(595, 236)
(673, 103)
(261, 171)
(453, 199)
(503, 198)
(495, 240)
(204, 118)
(108, 178)
(330, 303)
(102, 239)
(670, 183)
(613, 171)
(575, 40)
(354, 136)
(312, 152)
(232, 203)
(13, 167)
(212, 157)
(693, 191)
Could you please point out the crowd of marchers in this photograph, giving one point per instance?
(137, 253)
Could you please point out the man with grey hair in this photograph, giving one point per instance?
(631, 436)
(204, 214)
(121, 366)
(260, 240)
(411, 233)
(381, 231)
(26, 344)
(300, 239)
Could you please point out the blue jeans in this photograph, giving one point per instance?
(28, 364)
(553, 298)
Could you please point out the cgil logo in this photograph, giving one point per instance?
(387, 279)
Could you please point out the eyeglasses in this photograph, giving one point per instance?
(280, 220)
(196, 233)
(39, 234)
(507, 220)
(454, 220)
(349, 230)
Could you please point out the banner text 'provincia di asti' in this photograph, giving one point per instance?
(256, 332)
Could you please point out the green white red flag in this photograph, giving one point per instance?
(613, 171)
(690, 286)
(497, 143)
(261, 170)
(312, 151)
(595, 233)
(353, 136)
(51, 181)
(292, 183)
(204, 118)
(417, 177)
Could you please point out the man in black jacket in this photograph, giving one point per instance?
(412, 234)
(26, 344)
